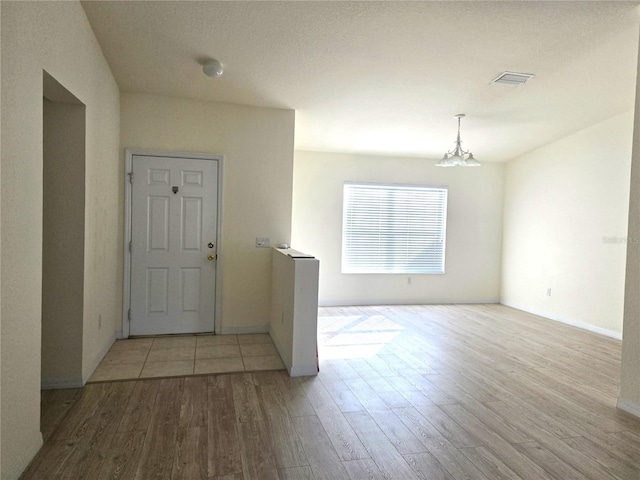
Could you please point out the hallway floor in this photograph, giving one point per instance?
(173, 356)
(478, 392)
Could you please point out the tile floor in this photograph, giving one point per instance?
(187, 355)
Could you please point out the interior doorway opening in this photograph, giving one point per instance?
(63, 231)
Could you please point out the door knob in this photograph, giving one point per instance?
(211, 257)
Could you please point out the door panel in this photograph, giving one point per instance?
(173, 221)
(190, 289)
(158, 225)
(157, 290)
(191, 224)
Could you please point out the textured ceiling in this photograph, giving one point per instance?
(387, 77)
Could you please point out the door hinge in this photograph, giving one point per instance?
(129, 315)
(130, 246)
(130, 177)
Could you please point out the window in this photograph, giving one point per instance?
(393, 228)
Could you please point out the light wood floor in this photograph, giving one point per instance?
(419, 392)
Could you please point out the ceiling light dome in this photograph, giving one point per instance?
(213, 69)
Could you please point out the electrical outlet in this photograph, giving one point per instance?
(263, 242)
(548, 292)
(408, 280)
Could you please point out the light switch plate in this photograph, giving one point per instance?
(263, 242)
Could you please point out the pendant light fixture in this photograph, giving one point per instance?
(458, 157)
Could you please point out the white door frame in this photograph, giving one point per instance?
(126, 296)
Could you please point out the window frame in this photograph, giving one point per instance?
(384, 267)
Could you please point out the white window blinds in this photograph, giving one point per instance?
(393, 228)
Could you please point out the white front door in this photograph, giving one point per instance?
(173, 251)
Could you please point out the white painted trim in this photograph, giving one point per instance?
(280, 350)
(87, 373)
(126, 297)
(217, 322)
(126, 294)
(304, 371)
(55, 384)
(297, 371)
(78, 382)
(628, 406)
(243, 330)
(17, 467)
(410, 301)
(574, 323)
(62, 384)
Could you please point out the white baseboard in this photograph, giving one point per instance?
(87, 372)
(298, 370)
(628, 406)
(304, 371)
(60, 384)
(369, 302)
(243, 330)
(19, 465)
(280, 350)
(574, 323)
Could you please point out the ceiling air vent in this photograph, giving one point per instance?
(512, 78)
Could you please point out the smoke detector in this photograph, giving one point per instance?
(512, 78)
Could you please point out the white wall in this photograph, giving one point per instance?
(56, 37)
(257, 144)
(565, 227)
(629, 399)
(474, 228)
(1, 86)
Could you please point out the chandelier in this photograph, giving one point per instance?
(458, 157)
